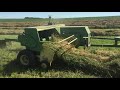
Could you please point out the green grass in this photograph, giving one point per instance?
(8, 36)
(10, 69)
(103, 42)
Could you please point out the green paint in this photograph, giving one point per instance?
(34, 37)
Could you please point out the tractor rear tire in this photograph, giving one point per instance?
(26, 58)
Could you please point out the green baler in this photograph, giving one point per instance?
(81, 32)
(33, 39)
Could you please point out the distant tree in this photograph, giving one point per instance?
(32, 18)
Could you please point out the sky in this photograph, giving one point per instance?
(56, 14)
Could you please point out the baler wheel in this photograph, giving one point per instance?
(26, 58)
(45, 64)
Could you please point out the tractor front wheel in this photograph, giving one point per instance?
(26, 58)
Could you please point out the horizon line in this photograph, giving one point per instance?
(57, 17)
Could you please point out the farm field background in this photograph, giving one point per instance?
(100, 27)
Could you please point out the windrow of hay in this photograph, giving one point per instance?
(63, 48)
(86, 61)
(105, 32)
